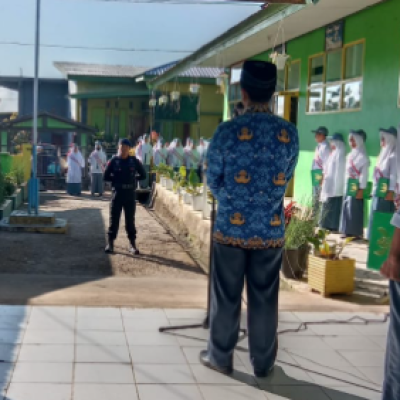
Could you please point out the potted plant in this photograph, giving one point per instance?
(300, 225)
(329, 272)
(194, 189)
(169, 183)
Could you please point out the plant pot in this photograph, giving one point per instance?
(6, 209)
(187, 199)
(294, 262)
(331, 276)
(163, 181)
(157, 177)
(169, 184)
(197, 203)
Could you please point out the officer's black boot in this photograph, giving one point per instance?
(110, 247)
(133, 249)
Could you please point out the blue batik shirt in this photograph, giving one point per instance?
(250, 161)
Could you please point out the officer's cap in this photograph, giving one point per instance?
(125, 142)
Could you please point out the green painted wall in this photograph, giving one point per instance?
(379, 26)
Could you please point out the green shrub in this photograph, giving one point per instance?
(10, 185)
(19, 174)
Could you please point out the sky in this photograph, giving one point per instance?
(96, 23)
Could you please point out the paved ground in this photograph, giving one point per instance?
(55, 353)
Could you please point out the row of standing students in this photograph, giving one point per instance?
(172, 154)
(343, 185)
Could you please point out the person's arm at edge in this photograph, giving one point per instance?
(215, 165)
(141, 173)
(391, 267)
(107, 173)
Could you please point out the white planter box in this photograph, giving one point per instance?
(197, 203)
(163, 181)
(169, 184)
(187, 199)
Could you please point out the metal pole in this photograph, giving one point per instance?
(34, 184)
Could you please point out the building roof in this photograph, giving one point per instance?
(46, 122)
(257, 33)
(113, 71)
(194, 72)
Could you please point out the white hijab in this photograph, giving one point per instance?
(334, 173)
(387, 151)
(358, 157)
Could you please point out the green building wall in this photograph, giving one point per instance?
(380, 27)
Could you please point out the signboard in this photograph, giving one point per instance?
(334, 36)
(380, 241)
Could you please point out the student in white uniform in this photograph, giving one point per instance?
(333, 185)
(178, 156)
(97, 161)
(385, 176)
(321, 154)
(74, 176)
(357, 165)
(147, 155)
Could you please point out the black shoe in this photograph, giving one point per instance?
(133, 249)
(205, 360)
(110, 247)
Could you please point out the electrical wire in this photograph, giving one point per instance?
(186, 2)
(61, 46)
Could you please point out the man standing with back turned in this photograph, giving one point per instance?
(122, 171)
(249, 163)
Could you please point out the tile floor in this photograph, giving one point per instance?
(74, 353)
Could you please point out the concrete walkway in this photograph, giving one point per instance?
(56, 353)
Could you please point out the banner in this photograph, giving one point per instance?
(380, 240)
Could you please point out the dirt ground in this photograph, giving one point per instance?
(72, 269)
(81, 250)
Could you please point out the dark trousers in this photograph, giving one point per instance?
(391, 383)
(230, 268)
(316, 202)
(126, 200)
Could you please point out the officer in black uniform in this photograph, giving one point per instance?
(123, 171)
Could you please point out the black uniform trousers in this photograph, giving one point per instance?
(122, 199)
(261, 268)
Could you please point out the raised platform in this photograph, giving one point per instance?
(19, 217)
(21, 221)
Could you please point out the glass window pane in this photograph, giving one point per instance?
(332, 97)
(280, 82)
(352, 95)
(334, 66)
(317, 70)
(279, 106)
(354, 61)
(294, 76)
(315, 98)
(232, 92)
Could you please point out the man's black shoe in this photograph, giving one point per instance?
(110, 247)
(133, 249)
(205, 360)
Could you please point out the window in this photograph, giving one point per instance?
(335, 79)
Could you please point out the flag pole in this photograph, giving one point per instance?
(33, 205)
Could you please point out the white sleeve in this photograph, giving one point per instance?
(392, 173)
(324, 156)
(396, 219)
(364, 176)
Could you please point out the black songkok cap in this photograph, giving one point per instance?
(259, 75)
